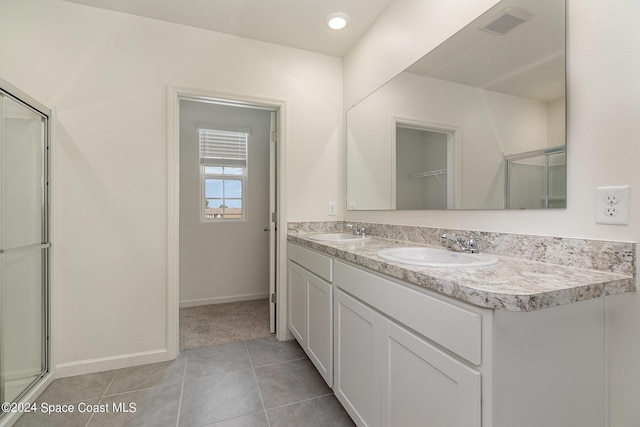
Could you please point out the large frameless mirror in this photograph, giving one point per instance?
(477, 123)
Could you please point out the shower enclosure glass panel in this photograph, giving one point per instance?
(557, 180)
(23, 247)
(536, 179)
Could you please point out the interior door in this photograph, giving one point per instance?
(23, 247)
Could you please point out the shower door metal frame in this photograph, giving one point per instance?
(9, 91)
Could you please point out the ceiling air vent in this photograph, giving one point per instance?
(506, 21)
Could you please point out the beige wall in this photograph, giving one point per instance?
(107, 74)
(603, 144)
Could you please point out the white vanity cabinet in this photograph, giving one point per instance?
(408, 357)
(387, 375)
(310, 306)
(357, 359)
(420, 382)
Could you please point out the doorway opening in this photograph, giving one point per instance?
(226, 243)
(423, 166)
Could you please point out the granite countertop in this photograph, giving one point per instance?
(512, 284)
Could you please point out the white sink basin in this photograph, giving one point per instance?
(434, 257)
(336, 237)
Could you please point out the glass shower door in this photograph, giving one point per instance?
(557, 180)
(526, 183)
(23, 247)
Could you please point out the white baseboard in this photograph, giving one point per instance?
(222, 300)
(89, 366)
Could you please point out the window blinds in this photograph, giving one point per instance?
(223, 148)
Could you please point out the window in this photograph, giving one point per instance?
(223, 174)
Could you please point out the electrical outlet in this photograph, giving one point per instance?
(612, 205)
(332, 208)
(612, 199)
(610, 211)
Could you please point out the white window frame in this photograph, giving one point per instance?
(225, 157)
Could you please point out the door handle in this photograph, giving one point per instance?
(267, 228)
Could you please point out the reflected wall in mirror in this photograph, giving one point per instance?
(439, 135)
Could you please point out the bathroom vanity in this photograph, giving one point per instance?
(519, 343)
(310, 307)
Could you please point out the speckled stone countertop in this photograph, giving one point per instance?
(513, 284)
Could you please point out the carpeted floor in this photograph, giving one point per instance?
(215, 324)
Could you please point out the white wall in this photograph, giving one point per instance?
(107, 75)
(603, 146)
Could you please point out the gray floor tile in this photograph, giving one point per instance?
(39, 419)
(219, 397)
(146, 376)
(216, 360)
(254, 420)
(152, 407)
(289, 382)
(323, 411)
(78, 388)
(223, 386)
(266, 351)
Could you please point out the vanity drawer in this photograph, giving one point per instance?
(318, 264)
(453, 327)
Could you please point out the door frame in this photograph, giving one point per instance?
(174, 95)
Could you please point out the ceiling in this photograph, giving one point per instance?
(294, 23)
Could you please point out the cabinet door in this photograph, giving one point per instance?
(423, 386)
(320, 326)
(297, 288)
(357, 362)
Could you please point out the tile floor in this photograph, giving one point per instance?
(260, 382)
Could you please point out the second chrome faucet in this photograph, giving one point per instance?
(358, 230)
(457, 243)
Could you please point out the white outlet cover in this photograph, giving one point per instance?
(612, 205)
(332, 208)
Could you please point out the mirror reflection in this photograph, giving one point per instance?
(478, 123)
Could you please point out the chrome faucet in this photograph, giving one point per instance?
(468, 245)
(358, 230)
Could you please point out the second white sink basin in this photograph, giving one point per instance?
(336, 237)
(434, 257)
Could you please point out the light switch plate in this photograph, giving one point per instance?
(612, 205)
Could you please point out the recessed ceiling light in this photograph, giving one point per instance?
(337, 20)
